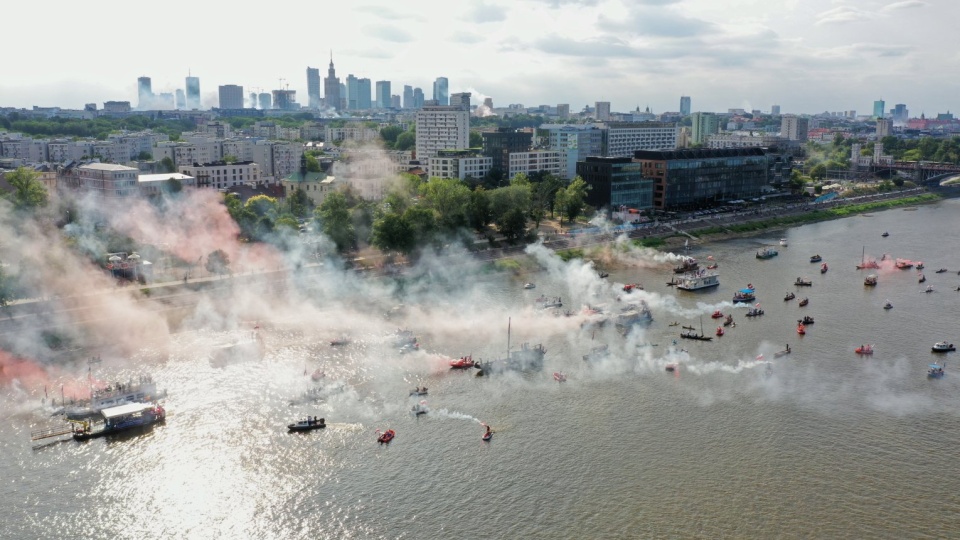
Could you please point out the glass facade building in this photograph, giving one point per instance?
(616, 183)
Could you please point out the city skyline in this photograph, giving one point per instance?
(807, 57)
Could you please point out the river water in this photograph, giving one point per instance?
(822, 443)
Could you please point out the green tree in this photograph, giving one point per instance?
(476, 139)
(818, 171)
(389, 135)
(288, 223)
(144, 156)
(423, 224)
(513, 224)
(392, 232)
(262, 205)
(229, 159)
(405, 141)
(29, 192)
(572, 199)
(172, 186)
(7, 287)
(334, 215)
(299, 203)
(168, 165)
(449, 197)
(218, 262)
(478, 210)
(313, 165)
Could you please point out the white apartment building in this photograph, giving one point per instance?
(222, 175)
(25, 149)
(193, 149)
(351, 132)
(550, 161)
(441, 128)
(622, 140)
(108, 180)
(742, 140)
(452, 164)
(155, 184)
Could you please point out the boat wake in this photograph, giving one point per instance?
(713, 367)
(456, 415)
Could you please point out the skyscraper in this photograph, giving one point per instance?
(313, 87)
(231, 96)
(353, 92)
(144, 93)
(252, 100)
(193, 93)
(395, 102)
(441, 128)
(461, 100)
(364, 92)
(265, 100)
(417, 97)
(181, 99)
(441, 92)
(900, 112)
(878, 108)
(603, 110)
(684, 105)
(285, 99)
(331, 87)
(775, 110)
(383, 94)
(407, 96)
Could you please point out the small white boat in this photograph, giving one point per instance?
(943, 346)
(529, 286)
(783, 242)
(929, 288)
(418, 409)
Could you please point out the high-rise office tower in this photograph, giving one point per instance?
(331, 87)
(383, 94)
(252, 100)
(313, 87)
(265, 100)
(441, 91)
(353, 91)
(775, 110)
(144, 93)
(684, 105)
(231, 96)
(900, 112)
(704, 124)
(181, 99)
(461, 100)
(407, 96)
(603, 111)
(878, 108)
(364, 93)
(285, 99)
(193, 93)
(417, 97)
(563, 110)
(395, 102)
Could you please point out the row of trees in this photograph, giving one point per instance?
(97, 128)
(421, 213)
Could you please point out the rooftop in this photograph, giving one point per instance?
(107, 167)
(162, 177)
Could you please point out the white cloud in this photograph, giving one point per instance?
(842, 14)
(905, 4)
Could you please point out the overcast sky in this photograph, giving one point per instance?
(805, 55)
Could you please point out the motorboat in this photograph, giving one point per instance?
(920, 265)
(720, 331)
(124, 417)
(903, 264)
(487, 435)
(560, 377)
(929, 288)
(713, 266)
(921, 278)
(789, 296)
(744, 295)
(943, 346)
(630, 287)
(754, 312)
(784, 352)
(529, 286)
(603, 275)
(823, 268)
(864, 349)
(717, 315)
(419, 391)
(801, 329)
(803, 302)
(547, 302)
(767, 253)
(339, 342)
(870, 281)
(888, 305)
(885, 234)
(728, 321)
(935, 371)
(672, 367)
(418, 409)
(783, 242)
(464, 362)
(309, 423)
(674, 323)
(800, 282)
(806, 320)
(942, 270)
(386, 436)
(816, 258)
(687, 264)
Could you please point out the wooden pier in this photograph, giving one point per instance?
(65, 429)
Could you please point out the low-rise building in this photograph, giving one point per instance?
(548, 161)
(316, 185)
(461, 164)
(107, 180)
(351, 132)
(156, 184)
(223, 175)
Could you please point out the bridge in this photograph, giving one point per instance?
(922, 172)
